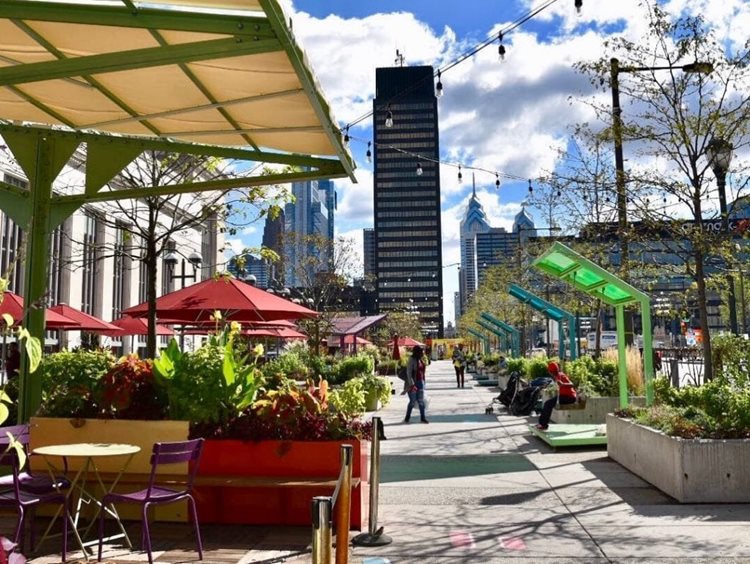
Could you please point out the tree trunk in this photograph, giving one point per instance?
(703, 316)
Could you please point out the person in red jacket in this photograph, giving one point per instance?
(566, 391)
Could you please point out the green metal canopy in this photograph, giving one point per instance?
(515, 334)
(565, 264)
(484, 339)
(553, 312)
(107, 81)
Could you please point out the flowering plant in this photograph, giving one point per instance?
(128, 391)
(7, 554)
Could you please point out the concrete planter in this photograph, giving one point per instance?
(595, 412)
(689, 470)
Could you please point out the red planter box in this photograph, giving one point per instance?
(276, 505)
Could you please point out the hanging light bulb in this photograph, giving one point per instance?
(368, 154)
(497, 181)
(501, 47)
(460, 176)
(346, 136)
(531, 188)
(585, 196)
(664, 199)
(439, 87)
(419, 169)
(388, 117)
(579, 6)
(606, 199)
(559, 194)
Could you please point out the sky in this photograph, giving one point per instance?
(510, 116)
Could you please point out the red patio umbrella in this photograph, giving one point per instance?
(275, 332)
(85, 321)
(136, 326)
(12, 304)
(409, 342)
(236, 300)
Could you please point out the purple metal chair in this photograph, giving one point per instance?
(14, 495)
(39, 483)
(163, 454)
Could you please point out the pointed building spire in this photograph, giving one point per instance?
(473, 186)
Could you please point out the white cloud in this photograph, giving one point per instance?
(250, 230)
(355, 201)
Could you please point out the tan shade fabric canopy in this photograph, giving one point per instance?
(225, 72)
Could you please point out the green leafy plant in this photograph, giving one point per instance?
(349, 399)
(377, 386)
(516, 365)
(69, 381)
(350, 367)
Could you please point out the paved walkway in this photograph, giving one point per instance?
(470, 487)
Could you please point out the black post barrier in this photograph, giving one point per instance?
(374, 535)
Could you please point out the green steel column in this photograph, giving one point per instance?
(35, 271)
(648, 351)
(622, 366)
(561, 340)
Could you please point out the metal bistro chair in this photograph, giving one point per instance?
(163, 454)
(39, 483)
(14, 494)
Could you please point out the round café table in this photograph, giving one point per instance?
(88, 474)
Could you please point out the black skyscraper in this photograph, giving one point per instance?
(407, 195)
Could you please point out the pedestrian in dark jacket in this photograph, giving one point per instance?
(414, 384)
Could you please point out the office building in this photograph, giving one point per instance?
(408, 257)
(368, 253)
(308, 232)
(273, 239)
(473, 223)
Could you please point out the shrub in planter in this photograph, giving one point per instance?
(128, 391)
(594, 377)
(536, 368)
(69, 379)
(388, 367)
(516, 365)
(349, 399)
(351, 366)
(289, 413)
(289, 365)
(377, 388)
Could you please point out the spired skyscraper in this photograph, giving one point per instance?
(408, 250)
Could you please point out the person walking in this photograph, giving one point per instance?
(414, 384)
(459, 364)
(566, 393)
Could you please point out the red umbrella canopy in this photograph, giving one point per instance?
(236, 300)
(275, 332)
(136, 326)
(12, 305)
(409, 342)
(85, 321)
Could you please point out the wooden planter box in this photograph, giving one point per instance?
(689, 470)
(595, 412)
(56, 431)
(276, 505)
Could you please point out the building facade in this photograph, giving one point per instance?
(408, 249)
(308, 216)
(94, 261)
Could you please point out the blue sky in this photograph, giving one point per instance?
(510, 116)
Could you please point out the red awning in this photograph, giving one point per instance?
(136, 326)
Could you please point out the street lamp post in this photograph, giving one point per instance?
(719, 152)
(622, 203)
(171, 259)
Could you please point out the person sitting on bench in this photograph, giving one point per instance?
(566, 392)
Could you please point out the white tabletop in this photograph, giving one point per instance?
(87, 450)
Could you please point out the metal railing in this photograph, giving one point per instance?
(322, 510)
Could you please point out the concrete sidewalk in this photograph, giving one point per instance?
(470, 487)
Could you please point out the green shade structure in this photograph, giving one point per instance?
(512, 332)
(492, 330)
(565, 264)
(552, 312)
(106, 81)
(484, 339)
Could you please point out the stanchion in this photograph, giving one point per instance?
(374, 535)
(321, 525)
(343, 505)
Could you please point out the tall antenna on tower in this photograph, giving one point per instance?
(399, 58)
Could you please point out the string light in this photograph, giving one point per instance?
(419, 169)
(531, 188)
(497, 181)
(579, 7)
(559, 194)
(501, 47)
(439, 87)
(389, 117)
(368, 155)
(460, 176)
(346, 136)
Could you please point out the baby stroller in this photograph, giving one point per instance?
(506, 396)
(527, 397)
